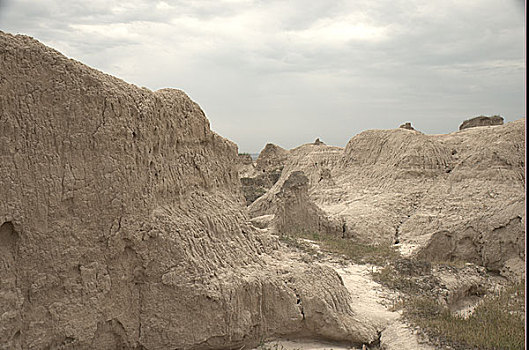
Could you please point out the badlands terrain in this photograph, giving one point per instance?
(127, 223)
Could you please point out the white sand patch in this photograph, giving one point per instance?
(407, 249)
(302, 345)
(370, 301)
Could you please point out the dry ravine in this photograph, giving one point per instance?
(124, 223)
(442, 216)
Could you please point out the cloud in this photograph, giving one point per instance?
(289, 72)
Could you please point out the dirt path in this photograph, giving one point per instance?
(372, 302)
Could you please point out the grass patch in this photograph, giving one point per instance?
(297, 243)
(393, 280)
(355, 252)
(497, 323)
(456, 264)
(409, 276)
(360, 253)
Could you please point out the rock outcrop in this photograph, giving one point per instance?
(245, 165)
(296, 213)
(254, 184)
(258, 179)
(481, 121)
(407, 126)
(122, 223)
(450, 197)
(315, 161)
(272, 158)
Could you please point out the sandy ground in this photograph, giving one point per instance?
(407, 248)
(302, 345)
(371, 301)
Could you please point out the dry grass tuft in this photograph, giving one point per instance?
(497, 323)
(355, 252)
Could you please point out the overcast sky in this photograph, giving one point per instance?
(288, 72)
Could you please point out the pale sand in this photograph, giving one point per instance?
(372, 302)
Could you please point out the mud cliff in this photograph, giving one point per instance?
(122, 224)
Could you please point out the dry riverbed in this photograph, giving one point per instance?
(370, 301)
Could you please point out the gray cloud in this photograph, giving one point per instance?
(288, 72)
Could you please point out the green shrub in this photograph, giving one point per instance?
(410, 276)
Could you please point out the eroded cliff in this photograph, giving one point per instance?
(123, 224)
(449, 197)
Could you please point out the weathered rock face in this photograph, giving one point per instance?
(245, 159)
(454, 197)
(270, 165)
(257, 185)
(258, 179)
(315, 161)
(480, 206)
(122, 223)
(296, 213)
(407, 126)
(252, 183)
(481, 121)
(271, 158)
(245, 165)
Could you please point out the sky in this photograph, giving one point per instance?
(288, 72)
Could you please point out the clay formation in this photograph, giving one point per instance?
(449, 197)
(122, 223)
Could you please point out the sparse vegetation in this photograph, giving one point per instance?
(497, 323)
(458, 264)
(271, 346)
(355, 252)
(389, 278)
(298, 243)
(409, 276)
